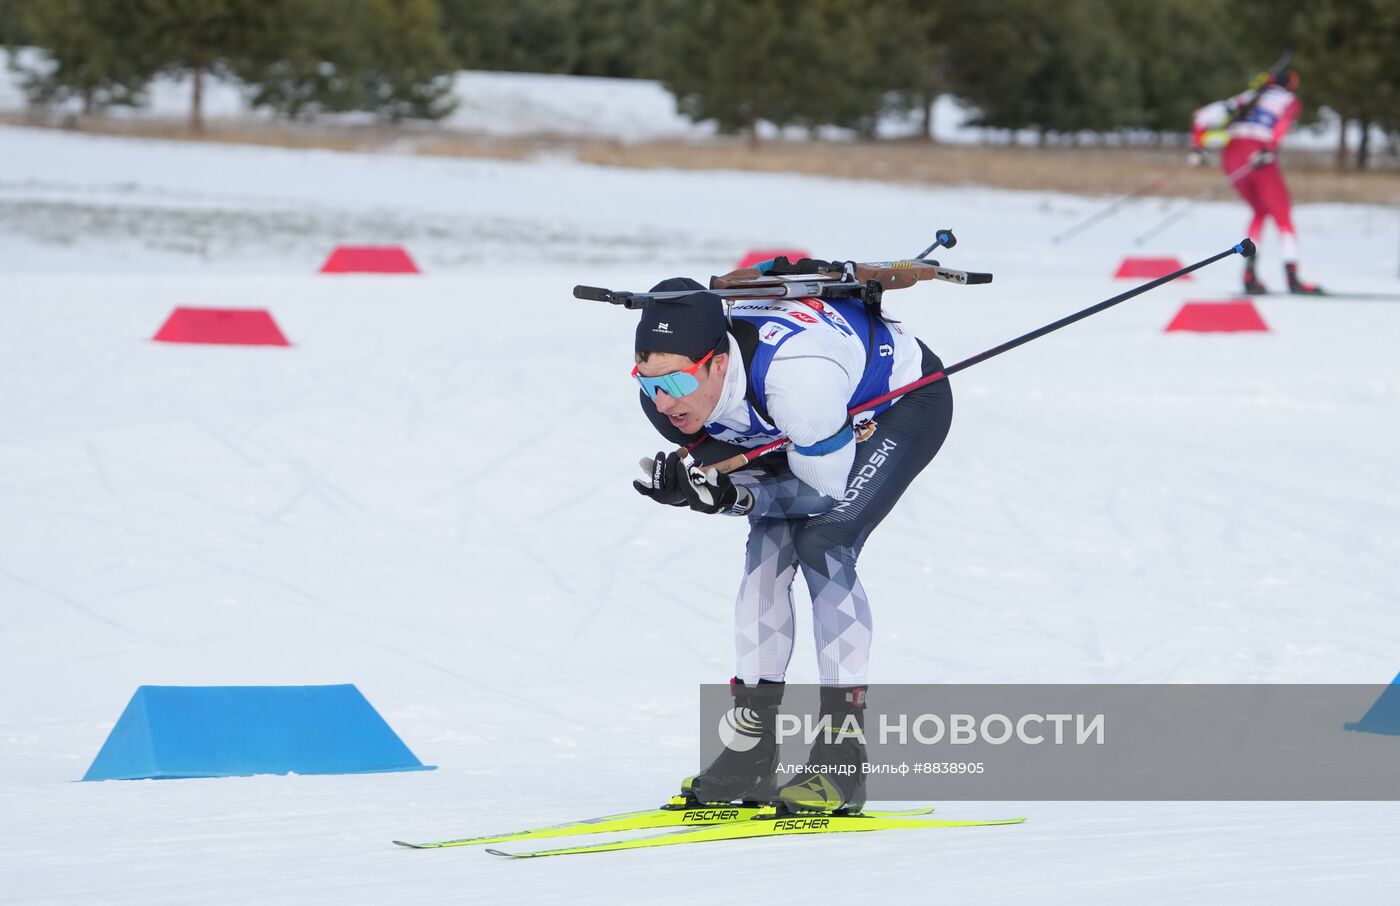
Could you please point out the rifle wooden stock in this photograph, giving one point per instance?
(889, 274)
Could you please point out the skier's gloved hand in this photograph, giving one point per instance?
(783, 266)
(708, 490)
(1261, 158)
(660, 483)
(680, 481)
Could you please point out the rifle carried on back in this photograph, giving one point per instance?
(810, 278)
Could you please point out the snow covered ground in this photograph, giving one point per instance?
(427, 495)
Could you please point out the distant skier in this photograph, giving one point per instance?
(1250, 126)
(765, 369)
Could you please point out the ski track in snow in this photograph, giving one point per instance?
(428, 495)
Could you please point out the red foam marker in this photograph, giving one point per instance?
(1149, 268)
(221, 326)
(1218, 317)
(369, 259)
(753, 256)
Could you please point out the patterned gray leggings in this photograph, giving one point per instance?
(826, 546)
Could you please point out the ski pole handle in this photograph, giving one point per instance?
(941, 239)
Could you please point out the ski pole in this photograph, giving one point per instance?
(944, 238)
(1233, 177)
(1245, 248)
(1156, 183)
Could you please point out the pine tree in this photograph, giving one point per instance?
(617, 38)
(13, 30)
(385, 57)
(994, 53)
(786, 62)
(911, 37)
(1057, 68)
(844, 80)
(723, 61)
(1088, 81)
(206, 37)
(1187, 54)
(89, 55)
(403, 66)
(513, 35)
(1347, 54)
(307, 68)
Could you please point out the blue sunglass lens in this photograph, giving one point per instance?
(676, 384)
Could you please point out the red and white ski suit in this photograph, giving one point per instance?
(1258, 128)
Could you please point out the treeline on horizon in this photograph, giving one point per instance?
(1064, 70)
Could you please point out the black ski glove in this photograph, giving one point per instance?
(680, 481)
(660, 483)
(781, 266)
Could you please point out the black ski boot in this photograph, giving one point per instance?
(835, 779)
(1298, 287)
(743, 776)
(1253, 286)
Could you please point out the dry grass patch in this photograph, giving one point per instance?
(1094, 171)
(1090, 171)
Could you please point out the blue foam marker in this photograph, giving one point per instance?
(237, 731)
(1384, 716)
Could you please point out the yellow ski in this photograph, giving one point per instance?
(674, 814)
(763, 827)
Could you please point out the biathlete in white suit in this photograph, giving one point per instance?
(740, 379)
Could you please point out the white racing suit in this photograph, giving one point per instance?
(796, 366)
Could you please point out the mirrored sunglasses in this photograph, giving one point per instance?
(675, 384)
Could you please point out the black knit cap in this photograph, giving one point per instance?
(690, 326)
